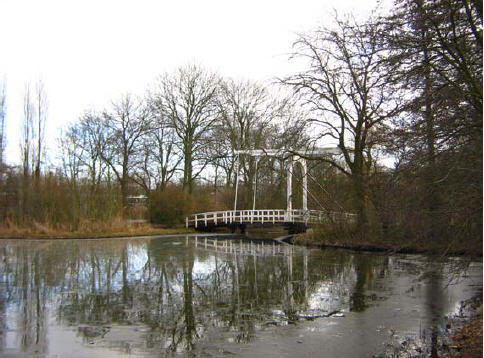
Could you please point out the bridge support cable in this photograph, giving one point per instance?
(327, 192)
(305, 175)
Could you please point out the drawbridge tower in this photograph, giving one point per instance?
(293, 158)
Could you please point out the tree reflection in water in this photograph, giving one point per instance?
(176, 294)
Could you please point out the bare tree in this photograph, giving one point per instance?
(72, 153)
(250, 117)
(125, 124)
(26, 149)
(39, 128)
(187, 99)
(26, 142)
(346, 90)
(245, 113)
(158, 158)
(90, 137)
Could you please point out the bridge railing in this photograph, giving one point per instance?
(263, 216)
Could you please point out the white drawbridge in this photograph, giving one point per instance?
(288, 216)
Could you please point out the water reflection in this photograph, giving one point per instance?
(189, 294)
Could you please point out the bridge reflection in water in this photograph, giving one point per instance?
(261, 250)
(241, 247)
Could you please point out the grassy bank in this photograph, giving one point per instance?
(87, 230)
(345, 237)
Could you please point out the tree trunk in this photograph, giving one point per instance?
(124, 194)
(187, 171)
(367, 223)
(430, 175)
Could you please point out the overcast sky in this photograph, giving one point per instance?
(89, 52)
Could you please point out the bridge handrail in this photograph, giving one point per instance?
(264, 216)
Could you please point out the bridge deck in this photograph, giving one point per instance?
(264, 216)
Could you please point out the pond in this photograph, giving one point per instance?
(216, 296)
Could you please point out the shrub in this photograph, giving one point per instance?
(170, 206)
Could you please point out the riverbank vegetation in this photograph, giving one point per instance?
(399, 94)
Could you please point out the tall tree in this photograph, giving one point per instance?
(350, 99)
(436, 54)
(250, 117)
(27, 130)
(158, 158)
(26, 149)
(39, 127)
(246, 111)
(125, 124)
(89, 139)
(187, 99)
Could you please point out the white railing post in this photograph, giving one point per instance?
(196, 220)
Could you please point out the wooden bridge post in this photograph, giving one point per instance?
(236, 181)
(289, 185)
(305, 183)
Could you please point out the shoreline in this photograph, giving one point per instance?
(102, 235)
(304, 240)
(296, 240)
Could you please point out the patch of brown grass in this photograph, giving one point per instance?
(85, 229)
